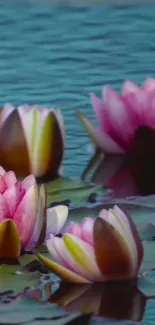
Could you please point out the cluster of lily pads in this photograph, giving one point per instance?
(32, 139)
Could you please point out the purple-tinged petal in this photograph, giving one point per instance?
(74, 229)
(12, 200)
(39, 231)
(149, 85)
(3, 185)
(98, 106)
(4, 209)
(129, 87)
(101, 140)
(118, 118)
(2, 171)
(25, 215)
(87, 230)
(28, 182)
(54, 254)
(10, 179)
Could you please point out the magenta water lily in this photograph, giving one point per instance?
(24, 220)
(96, 250)
(31, 140)
(119, 116)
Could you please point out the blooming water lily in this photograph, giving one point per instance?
(102, 249)
(31, 140)
(120, 116)
(23, 222)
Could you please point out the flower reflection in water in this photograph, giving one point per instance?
(130, 175)
(121, 301)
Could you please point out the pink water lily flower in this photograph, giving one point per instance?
(119, 116)
(107, 248)
(31, 140)
(24, 220)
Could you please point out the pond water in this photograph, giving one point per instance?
(56, 54)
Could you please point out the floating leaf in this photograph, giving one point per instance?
(27, 258)
(74, 190)
(13, 278)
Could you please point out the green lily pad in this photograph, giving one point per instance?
(15, 279)
(27, 258)
(74, 190)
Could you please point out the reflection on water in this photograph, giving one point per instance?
(122, 301)
(125, 178)
(129, 175)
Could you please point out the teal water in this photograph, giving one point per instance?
(55, 54)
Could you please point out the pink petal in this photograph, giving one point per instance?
(10, 196)
(100, 138)
(149, 85)
(118, 118)
(25, 215)
(4, 210)
(10, 178)
(74, 229)
(28, 182)
(55, 253)
(2, 171)
(3, 186)
(39, 230)
(129, 87)
(87, 230)
(98, 106)
(104, 215)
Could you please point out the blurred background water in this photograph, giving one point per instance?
(55, 54)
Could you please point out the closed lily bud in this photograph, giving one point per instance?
(31, 140)
(107, 248)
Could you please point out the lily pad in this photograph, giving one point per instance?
(74, 190)
(15, 279)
